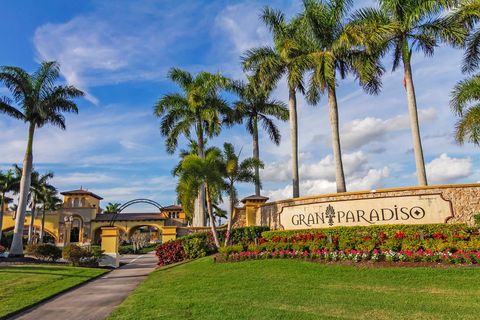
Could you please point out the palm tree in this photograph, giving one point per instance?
(468, 15)
(199, 108)
(112, 208)
(8, 183)
(256, 107)
(332, 55)
(465, 103)
(50, 202)
(195, 173)
(234, 172)
(287, 58)
(404, 27)
(39, 183)
(41, 102)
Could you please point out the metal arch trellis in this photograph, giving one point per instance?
(132, 202)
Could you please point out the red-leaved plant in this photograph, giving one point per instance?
(170, 252)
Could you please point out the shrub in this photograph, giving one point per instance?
(73, 254)
(476, 218)
(170, 252)
(44, 251)
(232, 249)
(85, 257)
(2, 249)
(194, 248)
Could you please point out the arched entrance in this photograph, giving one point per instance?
(7, 235)
(148, 233)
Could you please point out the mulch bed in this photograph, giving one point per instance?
(367, 264)
(27, 260)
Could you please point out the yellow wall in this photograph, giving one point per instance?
(51, 223)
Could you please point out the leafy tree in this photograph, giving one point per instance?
(195, 173)
(285, 58)
(256, 107)
(40, 102)
(8, 183)
(112, 208)
(405, 26)
(465, 103)
(198, 109)
(333, 53)
(236, 171)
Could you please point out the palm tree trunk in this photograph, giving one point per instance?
(337, 151)
(256, 155)
(232, 211)
(2, 207)
(16, 248)
(32, 221)
(212, 220)
(292, 104)
(199, 217)
(42, 227)
(414, 125)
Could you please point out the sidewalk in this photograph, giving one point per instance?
(97, 299)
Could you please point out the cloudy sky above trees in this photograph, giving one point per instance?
(119, 52)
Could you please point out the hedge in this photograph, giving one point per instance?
(422, 230)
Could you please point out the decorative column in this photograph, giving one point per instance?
(110, 243)
(168, 233)
(252, 204)
(68, 228)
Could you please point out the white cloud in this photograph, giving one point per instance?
(364, 131)
(82, 179)
(445, 169)
(118, 41)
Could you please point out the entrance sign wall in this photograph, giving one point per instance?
(365, 212)
(414, 205)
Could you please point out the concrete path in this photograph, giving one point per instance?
(97, 299)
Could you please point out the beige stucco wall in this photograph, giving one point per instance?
(464, 199)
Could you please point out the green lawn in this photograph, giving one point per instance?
(288, 289)
(21, 286)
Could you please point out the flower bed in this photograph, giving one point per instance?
(471, 257)
(452, 243)
(197, 245)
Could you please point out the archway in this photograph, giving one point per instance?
(7, 235)
(151, 234)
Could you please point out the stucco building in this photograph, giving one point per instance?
(80, 219)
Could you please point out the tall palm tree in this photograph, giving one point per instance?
(256, 107)
(40, 102)
(8, 183)
(199, 108)
(236, 171)
(287, 58)
(39, 182)
(465, 103)
(50, 202)
(404, 27)
(112, 208)
(333, 54)
(468, 15)
(195, 173)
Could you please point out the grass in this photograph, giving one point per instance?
(21, 286)
(288, 289)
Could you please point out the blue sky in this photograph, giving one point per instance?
(119, 53)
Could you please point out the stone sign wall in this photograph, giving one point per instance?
(416, 205)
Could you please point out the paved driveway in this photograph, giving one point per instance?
(97, 299)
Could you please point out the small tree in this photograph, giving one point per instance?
(195, 172)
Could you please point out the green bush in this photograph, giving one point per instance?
(246, 234)
(194, 248)
(232, 249)
(476, 218)
(44, 251)
(85, 257)
(425, 230)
